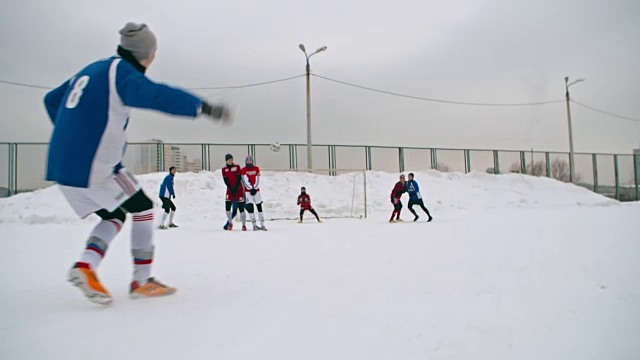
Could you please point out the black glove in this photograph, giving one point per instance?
(218, 112)
(393, 201)
(253, 191)
(174, 196)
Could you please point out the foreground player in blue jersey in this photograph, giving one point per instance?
(90, 114)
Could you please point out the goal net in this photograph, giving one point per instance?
(335, 193)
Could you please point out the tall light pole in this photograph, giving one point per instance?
(572, 171)
(309, 148)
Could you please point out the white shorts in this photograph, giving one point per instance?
(253, 199)
(108, 194)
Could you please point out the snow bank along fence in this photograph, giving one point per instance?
(22, 165)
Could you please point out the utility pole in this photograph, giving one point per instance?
(572, 166)
(308, 73)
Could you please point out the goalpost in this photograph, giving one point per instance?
(335, 193)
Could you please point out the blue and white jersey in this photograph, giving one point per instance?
(166, 189)
(90, 114)
(413, 190)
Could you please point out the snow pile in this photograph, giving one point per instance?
(200, 196)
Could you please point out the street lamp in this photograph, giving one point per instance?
(572, 176)
(309, 152)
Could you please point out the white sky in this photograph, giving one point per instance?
(467, 50)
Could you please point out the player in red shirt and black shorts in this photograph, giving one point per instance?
(232, 175)
(396, 194)
(304, 200)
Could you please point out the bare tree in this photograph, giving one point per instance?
(515, 167)
(535, 169)
(443, 167)
(559, 169)
(538, 168)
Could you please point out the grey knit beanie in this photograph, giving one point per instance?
(138, 39)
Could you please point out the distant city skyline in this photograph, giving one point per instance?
(145, 158)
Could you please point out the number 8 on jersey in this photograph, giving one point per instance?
(74, 96)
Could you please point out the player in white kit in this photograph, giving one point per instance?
(251, 182)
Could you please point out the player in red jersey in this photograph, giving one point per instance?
(396, 194)
(304, 200)
(232, 175)
(251, 181)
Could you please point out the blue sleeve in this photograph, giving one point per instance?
(170, 186)
(136, 90)
(162, 187)
(416, 186)
(53, 99)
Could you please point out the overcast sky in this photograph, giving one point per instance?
(465, 50)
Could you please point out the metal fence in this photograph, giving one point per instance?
(22, 165)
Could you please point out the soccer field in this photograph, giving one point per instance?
(513, 268)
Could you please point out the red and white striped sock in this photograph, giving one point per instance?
(142, 245)
(98, 243)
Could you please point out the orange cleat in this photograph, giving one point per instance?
(87, 281)
(152, 288)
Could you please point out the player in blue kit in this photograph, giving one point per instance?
(90, 115)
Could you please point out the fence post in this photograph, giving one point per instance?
(335, 159)
(523, 162)
(547, 160)
(496, 162)
(636, 170)
(292, 157)
(595, 173)
(401, 158)
(332, 159)
(13, 169)
(434, 159)
(252, 151)
(617, 174)
(203, 150)
(467, 162)
(368, 157)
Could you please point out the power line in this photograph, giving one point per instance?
(439, 100)
(26, 85)
(604, 112)
(248, 85)
(196, 88)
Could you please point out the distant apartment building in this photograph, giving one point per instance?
(145, 157)
(193, 166)
(154, 156)
(173, 157)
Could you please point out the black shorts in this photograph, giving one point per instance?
(167, 204)
(416, 202)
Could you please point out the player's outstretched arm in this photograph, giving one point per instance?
(138, 91)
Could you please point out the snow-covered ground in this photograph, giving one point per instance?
(513, 267)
